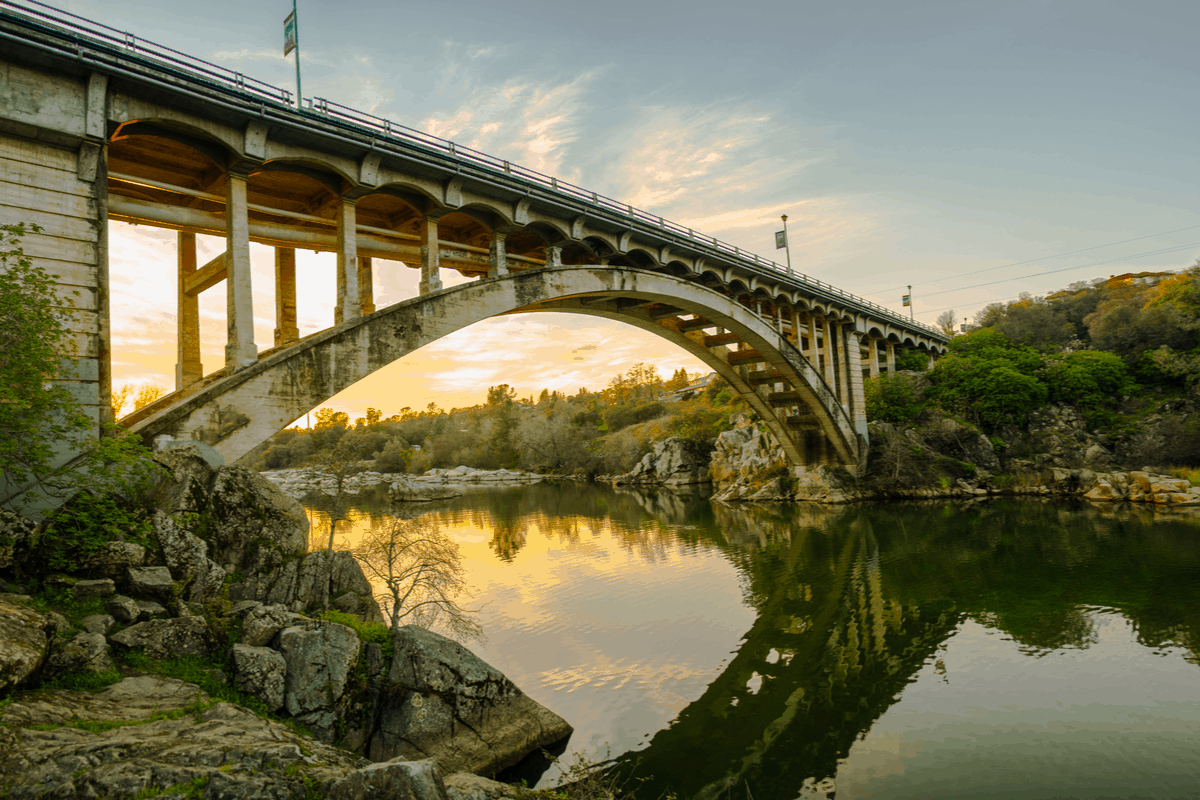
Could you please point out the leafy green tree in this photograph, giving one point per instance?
(37, 414)
(891, 398)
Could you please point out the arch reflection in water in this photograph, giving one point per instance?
(900, 650)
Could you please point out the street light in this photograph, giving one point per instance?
(781, 241)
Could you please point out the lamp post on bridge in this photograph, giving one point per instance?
(291, 41)
(781, 241)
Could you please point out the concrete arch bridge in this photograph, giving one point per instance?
(97, 125)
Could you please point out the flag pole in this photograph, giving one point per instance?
(291, 41)
(787, 246)
(296, 22)
(910, 305)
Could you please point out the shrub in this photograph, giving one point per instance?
(891, 398)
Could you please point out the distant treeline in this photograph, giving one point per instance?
(606, 431)
(1114, 348)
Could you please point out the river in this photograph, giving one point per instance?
(1005, 649)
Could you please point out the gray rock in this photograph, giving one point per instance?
(87, 652)
(263, 622)
(249, 513)
(444, 702)
(410, 780)
(319, 656)
(194, 472)
(17, 537)
(148, 610)
(23, 644)
(406, 490)
(98, 588)
(260, 671)
(745, 460)
(674, 461)
(114, 559)
(151, 580)
(124, 609)
(167, 638)
(239, 755)
(98, 623)
(186, 555)
(465, 786)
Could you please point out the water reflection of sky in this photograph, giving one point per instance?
(902, 651)
(616, 627)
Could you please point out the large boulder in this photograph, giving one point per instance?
(746, 459)
(319, 656)
(963, 442)
(222, 751)
(167, 638)
(23, 644)
(260, 671)
(87, 652)
(674, 461)
(441, 701)
(406, 490)
(186, 555)
(17, 537)
(248, 513)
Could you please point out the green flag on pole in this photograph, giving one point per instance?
(289, 33)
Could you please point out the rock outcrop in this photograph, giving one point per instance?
(748, 460)
(24, 643)
(408, 490)
(674, 461)
(184, 743)
(443, 702)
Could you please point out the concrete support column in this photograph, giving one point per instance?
(827, 362)
(366, 285)
(795, 327)
(931, 360)
(812, 342)
(553, 256)
(188, 368)
(873, 357)
(779, 320)
(891, 358)
(848, 362)
(347, 307)
(857, 406)
(497, 257)
(240, 350)
(285, 296)
(431, 274)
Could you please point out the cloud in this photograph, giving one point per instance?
(527, 122)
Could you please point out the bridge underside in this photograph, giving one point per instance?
(236, 412)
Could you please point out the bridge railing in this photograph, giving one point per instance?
(398, 132)
(93, 33)
(82, 31)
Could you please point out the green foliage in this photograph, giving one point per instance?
(88, 522)
(622, 416)
(37, 414)
(891, 398)
(1089, 379)
(911, 360)
(989, 379)
(83, 681)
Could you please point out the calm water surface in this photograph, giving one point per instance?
(998, 650)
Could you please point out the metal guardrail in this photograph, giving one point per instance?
(82, 32)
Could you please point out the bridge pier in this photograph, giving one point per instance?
(891, 358)
(857, 399)
(240, 350)
(497, 257)
(285, 296)
(188, 368)
(431, 275)
(348, 304)
(366, 285)
(873, 356)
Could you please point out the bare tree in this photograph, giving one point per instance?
(334, 466)
(421, 570)
(945, 322)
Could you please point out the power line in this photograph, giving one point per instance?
(1044, 258)
(1067, 269)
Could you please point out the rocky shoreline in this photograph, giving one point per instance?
(223, 577)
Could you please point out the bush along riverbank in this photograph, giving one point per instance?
(192, 647)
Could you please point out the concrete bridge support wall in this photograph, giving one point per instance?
(53, 174)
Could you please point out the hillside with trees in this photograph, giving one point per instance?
(1115, 361)
(587, 433)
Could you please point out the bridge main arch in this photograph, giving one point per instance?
(235, 413)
